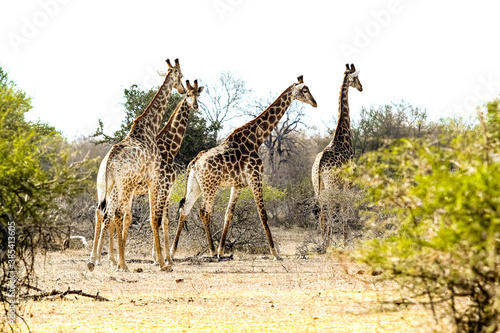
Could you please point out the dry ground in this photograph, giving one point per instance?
(251, 293)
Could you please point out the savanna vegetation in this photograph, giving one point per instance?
(420, 205)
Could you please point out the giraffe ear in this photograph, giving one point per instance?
(200, 89)
(355, 74)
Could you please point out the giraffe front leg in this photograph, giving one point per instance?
(235, 194)
(155, 210)
(256, 186)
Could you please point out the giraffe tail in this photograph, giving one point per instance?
(102, 205)
(178, 216)
(183, 200)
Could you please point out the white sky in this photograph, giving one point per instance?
(75, 57)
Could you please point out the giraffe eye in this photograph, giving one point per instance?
(304, 91)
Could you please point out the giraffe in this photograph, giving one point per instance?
(169, 141)
(134, 160)
(339, 150)
(236, 163)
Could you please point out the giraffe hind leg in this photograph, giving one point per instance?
(99, 216)
(205, 212)
(235, 193)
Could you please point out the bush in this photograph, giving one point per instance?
(445, 200)
(36, 179)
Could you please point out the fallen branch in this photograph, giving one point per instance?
(56, 293)
(198, 258)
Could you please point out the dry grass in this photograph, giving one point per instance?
(251, 293)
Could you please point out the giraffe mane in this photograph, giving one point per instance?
(253, 121)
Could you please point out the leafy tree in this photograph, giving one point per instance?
(444, 199)
(198, 136)
(378, 126)
(35, 178)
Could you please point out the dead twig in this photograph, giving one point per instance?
(57, 293)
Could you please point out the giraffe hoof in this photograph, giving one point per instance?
(121, 269)
(166, 268)
(277, 258)
(90, 266)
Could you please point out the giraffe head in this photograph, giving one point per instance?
(176, 74)
(301, 92)
(352, 77)
(193, 91)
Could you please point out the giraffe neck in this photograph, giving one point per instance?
(342, 137)
(257, 130)
(170, 138)
(148, 123)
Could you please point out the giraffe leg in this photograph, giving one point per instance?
(165, 224)
(154, 211)
(169, 183)
(323, 225)
(111, 248)
(235, 194)
(193, 193)
(126, 224)
(118, 220)
(205, 212)
(256, 186)
(101, 241)
(163, 200)
(99, 216)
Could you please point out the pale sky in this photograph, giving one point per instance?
(75, 58)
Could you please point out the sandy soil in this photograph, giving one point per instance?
(251, 293)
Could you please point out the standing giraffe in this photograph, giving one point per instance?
(236, 163)
(340, 149)
(134, 160)
(169, 141)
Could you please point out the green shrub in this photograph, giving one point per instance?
(445, 201)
